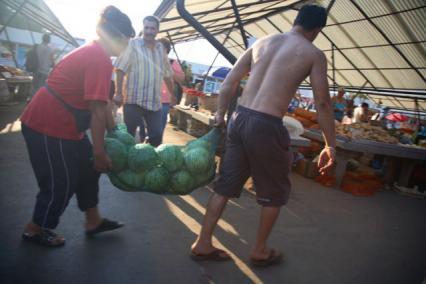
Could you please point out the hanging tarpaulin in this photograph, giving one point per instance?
(397, 117)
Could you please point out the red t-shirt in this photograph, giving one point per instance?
(81, 76)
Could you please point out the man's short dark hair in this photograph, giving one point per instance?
(46, 38)
(365, 105)
(152, 19)
(311, 17)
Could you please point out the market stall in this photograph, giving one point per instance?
(376, 53)
(186, 115)
(18, 84)
(407, 156)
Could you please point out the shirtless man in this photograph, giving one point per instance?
(257, 142)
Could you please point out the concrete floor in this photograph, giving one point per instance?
(328, 236)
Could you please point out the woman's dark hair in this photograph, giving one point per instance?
(311, 17)
(115, 23)
(166, 43)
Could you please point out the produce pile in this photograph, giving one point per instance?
(366, 131)
(193, 92)
(167, 169)
(307, 118)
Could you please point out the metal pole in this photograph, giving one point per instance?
(240, 23)
(333, 64)
(180, 5)
(349, 60)
(174, 50)
(330, 6)
(214, 60)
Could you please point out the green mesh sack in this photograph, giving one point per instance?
(169, 169)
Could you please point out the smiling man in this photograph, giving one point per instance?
(143, 67)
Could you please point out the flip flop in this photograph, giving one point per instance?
(216, 255)
(104, 226)
(45, 238)
(274, 257)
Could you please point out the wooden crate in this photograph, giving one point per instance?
(196, 128)
(174, 116)
(209, 103)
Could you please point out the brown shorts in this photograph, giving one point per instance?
(257, 145)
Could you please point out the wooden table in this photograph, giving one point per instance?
(24, 85)
(394, 154)
(205, 118)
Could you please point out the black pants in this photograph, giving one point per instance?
(135, 116)
(62, 167)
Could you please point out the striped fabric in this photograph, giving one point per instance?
(145, 70)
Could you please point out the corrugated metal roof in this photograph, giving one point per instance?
(377, 44)
(33, 15)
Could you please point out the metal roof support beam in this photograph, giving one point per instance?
(215, 20)
(13, 16)
(350, 37)
(243, 6)
(174, 50)
(39, 19)
(397, 13)
(388, 39)
(401, 22)
(179, 29)
(270, 11)
(240, 24)
(378, 45)
(330, 5)
(180, 5)
(214, 60)
(333, 65)
(274, 12)
(407, 94)
(347, 59)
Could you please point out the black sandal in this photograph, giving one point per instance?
(45, 238)
(104, 226)
(216, 255)
(274, 257)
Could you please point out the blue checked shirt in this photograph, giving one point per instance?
(145, 69)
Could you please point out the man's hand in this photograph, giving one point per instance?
(219, 120)
(102, 162)
(326, 159)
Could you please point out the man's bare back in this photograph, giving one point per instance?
(279, 63)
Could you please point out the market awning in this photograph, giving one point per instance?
(373, 47)
(33, 15)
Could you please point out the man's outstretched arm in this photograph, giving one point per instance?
(324, 107)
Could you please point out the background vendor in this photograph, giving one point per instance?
(361, 113)
(339, 104)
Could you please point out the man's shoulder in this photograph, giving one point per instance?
(137, 41)
(317, 54)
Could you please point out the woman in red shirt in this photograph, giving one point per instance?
(64, 161)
